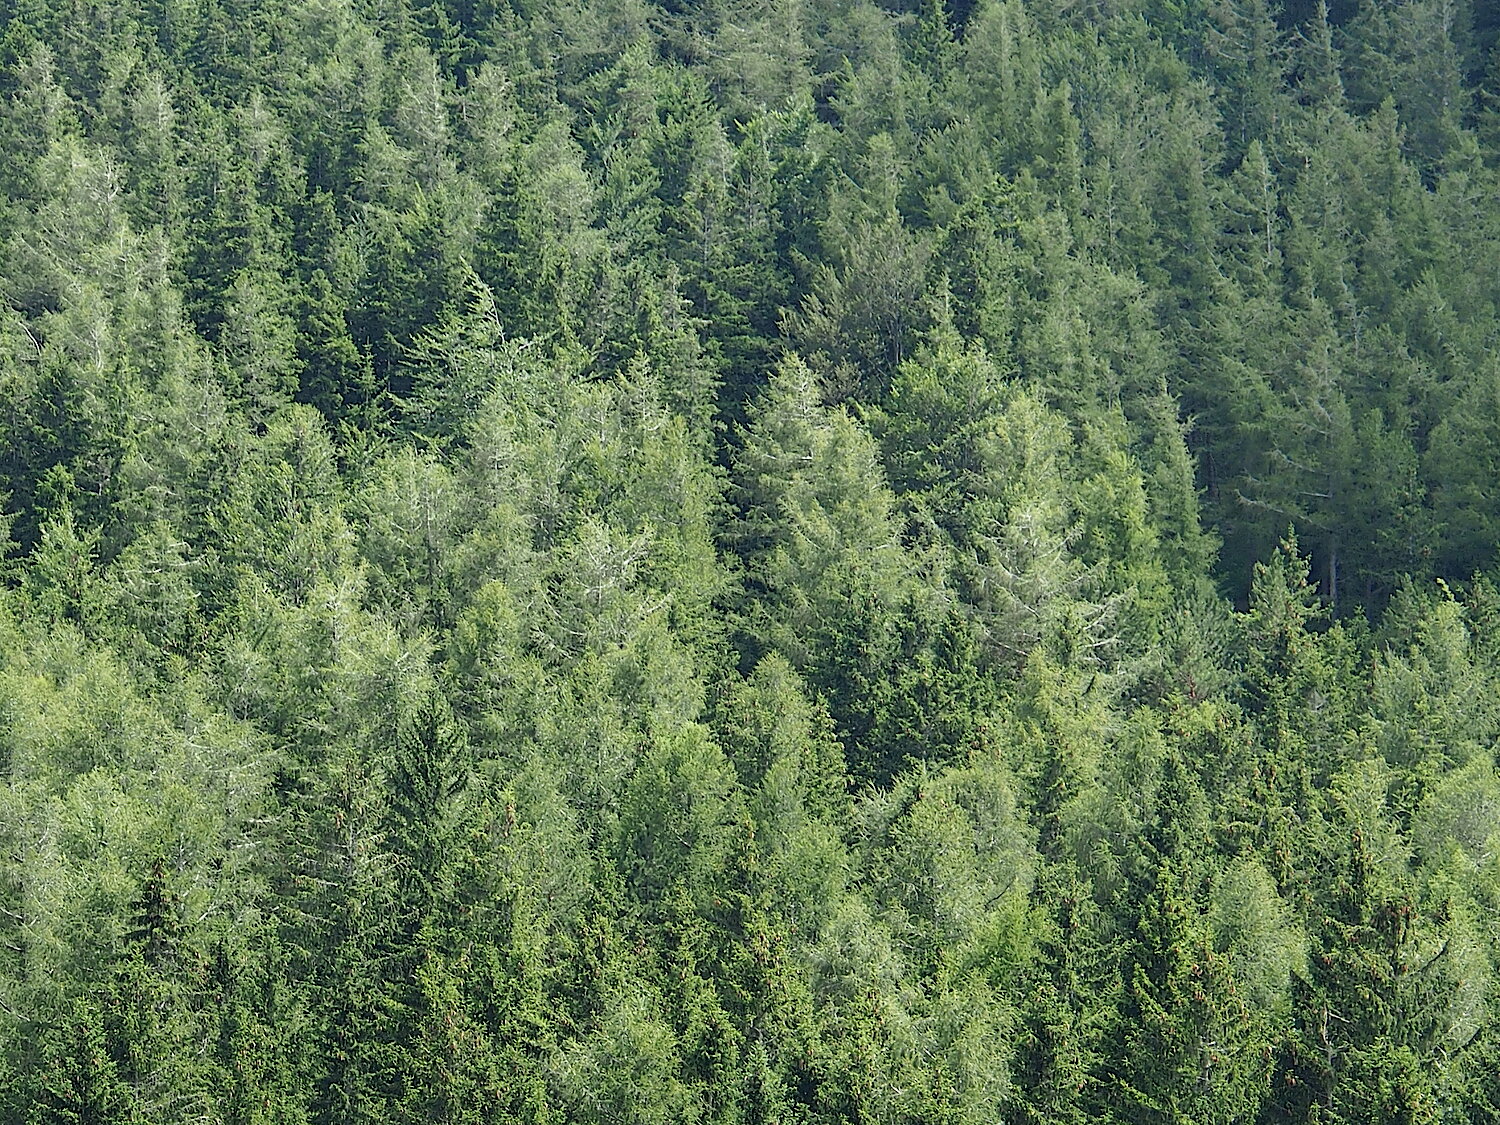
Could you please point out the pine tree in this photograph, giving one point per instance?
(334, 376)
(1183, 1020)
(1375, 1003)
(1244, 44)
(428, 773)
(1068, 1012)
(76, 1081)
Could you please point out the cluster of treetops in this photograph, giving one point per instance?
(788, 561)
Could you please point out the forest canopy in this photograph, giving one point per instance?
(749, 561)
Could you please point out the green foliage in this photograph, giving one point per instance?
(1191, 1051)
(755, 561)
(1383, 987)
(677, 819)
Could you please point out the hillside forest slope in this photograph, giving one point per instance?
(798, 561)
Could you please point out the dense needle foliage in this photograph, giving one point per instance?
(749, 561)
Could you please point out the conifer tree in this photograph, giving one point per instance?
(76, 1081)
